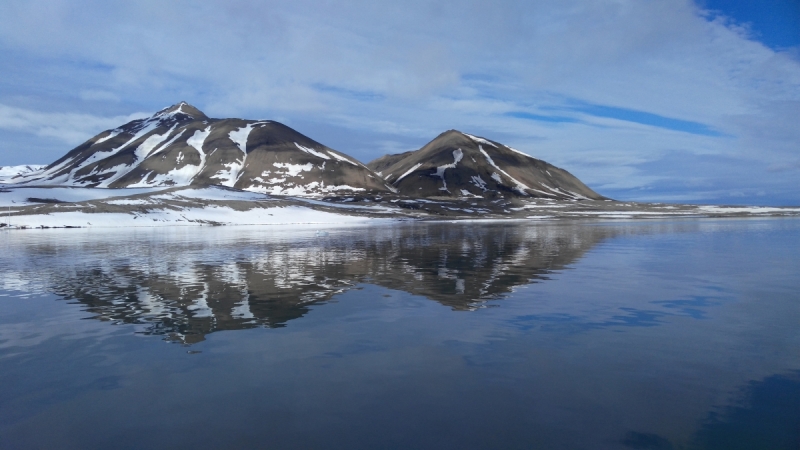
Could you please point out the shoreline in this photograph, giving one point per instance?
(68, 207)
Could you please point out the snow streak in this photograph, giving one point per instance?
(457, 156)
(311, 151)
(518, 186)
(341, 158)
(479, 140)
(408, 172)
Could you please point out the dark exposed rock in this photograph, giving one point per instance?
(44, 200)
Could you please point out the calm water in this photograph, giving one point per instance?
(653, 335)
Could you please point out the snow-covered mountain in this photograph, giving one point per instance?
(181, 146)
(9, 172)
(457, 164)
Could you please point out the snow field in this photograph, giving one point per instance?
(190, 217)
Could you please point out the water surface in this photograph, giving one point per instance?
(639, 335)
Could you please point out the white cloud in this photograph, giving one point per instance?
(98, 95)
(412, 69)
(69, 128)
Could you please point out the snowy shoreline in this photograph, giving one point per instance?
(69, 207)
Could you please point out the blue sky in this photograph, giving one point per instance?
(672, 100)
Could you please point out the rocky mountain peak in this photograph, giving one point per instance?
(180, 108)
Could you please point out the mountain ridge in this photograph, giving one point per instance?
(180, 146)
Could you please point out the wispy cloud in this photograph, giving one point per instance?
(68, 128)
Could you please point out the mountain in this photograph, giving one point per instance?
(457, 164)
(9, 172)
(181, 146)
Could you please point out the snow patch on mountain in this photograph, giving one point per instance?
(168, 143)
(144, 150)
(175, 177)
(517, 151)
(479, 183)
(149, 126)
(9, 172)
(239, 136)
(562, 192)
(116, 173)
(314, 188)
(519, 187)
(479, 140)
(417, 166)
(229, 174)
(341, 158)
(198, 138)
(183, 175)
(466, 193)
(172, 113)
(311, 151)
(549, 194)
(294, 169)
(111, 135)
(574, 195)
(458, 155)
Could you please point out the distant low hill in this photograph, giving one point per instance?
(457, 164)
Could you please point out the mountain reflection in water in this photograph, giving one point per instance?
(244, 278)
(587, 335)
